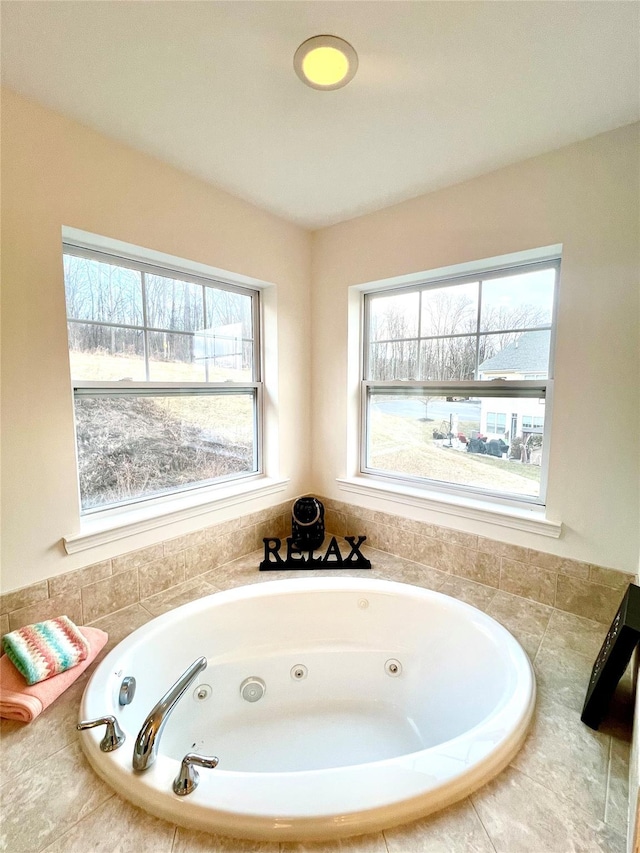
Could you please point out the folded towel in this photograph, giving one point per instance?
(46, 648)
(19, 701)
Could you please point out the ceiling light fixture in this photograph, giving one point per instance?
(325, 62)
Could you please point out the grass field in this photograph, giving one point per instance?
(405, 446)
(132, 446)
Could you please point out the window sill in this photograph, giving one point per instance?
(105, 528)
(530, 519)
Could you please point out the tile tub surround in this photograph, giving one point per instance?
(566, 790)
(87, 594)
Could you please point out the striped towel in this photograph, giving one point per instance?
(46, 648)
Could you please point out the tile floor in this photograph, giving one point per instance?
(564, 792)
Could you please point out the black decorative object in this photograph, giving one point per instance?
(307, 524)
(613, 658)
(297, 558)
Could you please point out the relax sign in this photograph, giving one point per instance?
(296, 559)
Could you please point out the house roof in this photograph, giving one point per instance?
(528, 354)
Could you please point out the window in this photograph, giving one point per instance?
(450, 368)
(166, 378)
(496, 422)
(532, 422)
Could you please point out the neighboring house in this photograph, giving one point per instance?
(525, 358)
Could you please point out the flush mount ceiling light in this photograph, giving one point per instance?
(325, 62)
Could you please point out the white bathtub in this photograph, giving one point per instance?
(354, 745)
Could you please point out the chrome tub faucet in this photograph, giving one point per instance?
(148, 739)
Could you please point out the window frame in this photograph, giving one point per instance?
(137, 388)
(503, 388)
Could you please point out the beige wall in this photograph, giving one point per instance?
(586, 197)
(54, 173)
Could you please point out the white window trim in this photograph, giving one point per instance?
(532, 518)
(115, 523)
(111, 526)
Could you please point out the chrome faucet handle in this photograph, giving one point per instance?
(187, 779)
(113, 738)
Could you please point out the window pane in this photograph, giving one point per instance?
(393, 360)
(227, 357)
(228, 313)
(518, 301)
(173, 304)
(444, 359)
(393, 317)
(105, 352)
(102, 292)
(174, 358)
(138, 446)
(514, 355)
(449, 310)
(450, 441)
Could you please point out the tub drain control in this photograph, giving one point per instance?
(393, 668)
(252, 688)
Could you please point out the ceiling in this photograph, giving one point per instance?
(445, 91)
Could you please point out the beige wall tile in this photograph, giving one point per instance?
(388, 538)
(416, 574)
(610, 577)
(181, 543)
(384, 518)
(413, 526)
(428, 551)
(335, 522)
(154, 577)
(252, 518)
(207, 555)
(110, 594)
(282, 525)
(4, 626)
(176, 596)
(222, 529)
(456, 537)
(137, 558)
(61, 605)
(591, 600)
(502, 549)
(457, 560)
(528, 581)
(558, 564)
(357, 526)
(242, 542)
(486, 569)
(71, 581)
(23, 597)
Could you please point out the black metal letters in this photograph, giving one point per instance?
(299, 559)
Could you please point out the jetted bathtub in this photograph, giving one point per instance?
(335, 706)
